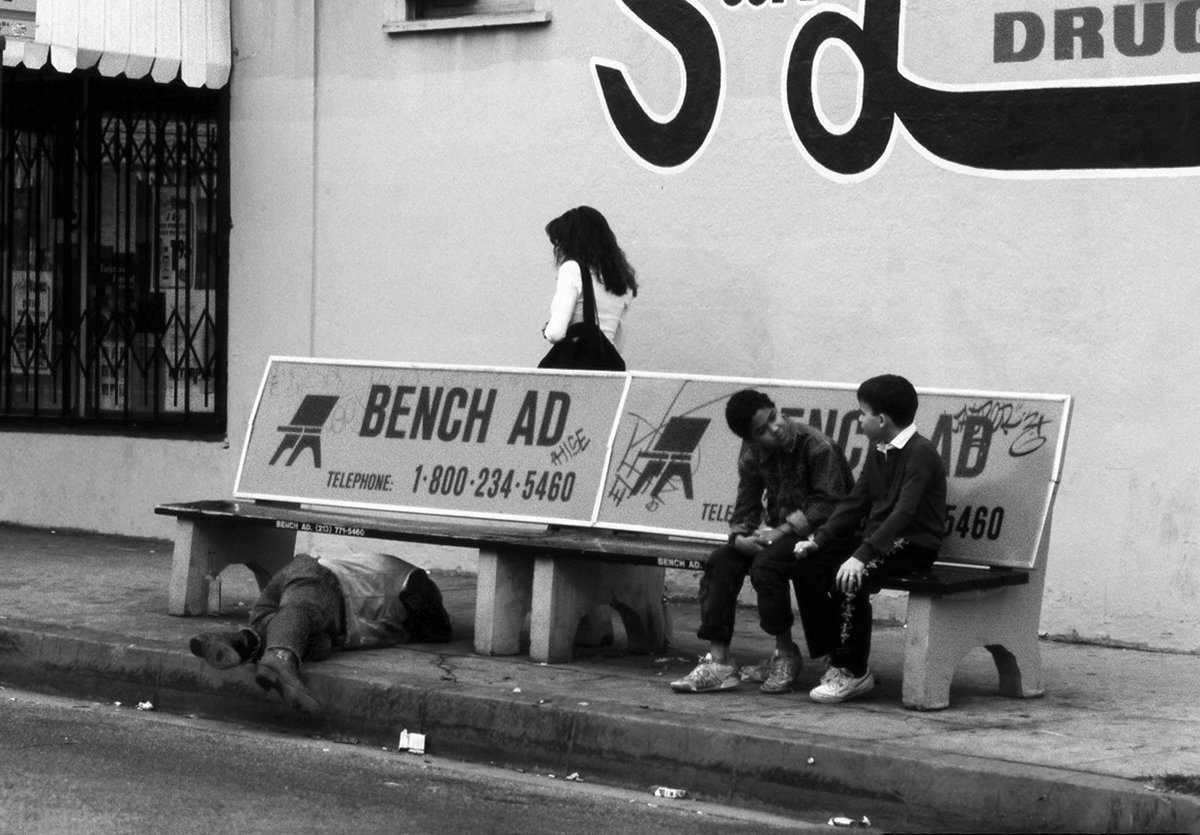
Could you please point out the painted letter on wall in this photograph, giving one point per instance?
(669, 143)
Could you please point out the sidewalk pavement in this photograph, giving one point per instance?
(85, 615)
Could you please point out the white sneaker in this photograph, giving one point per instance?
(708, 676)
(838, 685)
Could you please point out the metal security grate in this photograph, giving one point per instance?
(114, 219)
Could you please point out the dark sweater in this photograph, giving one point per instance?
(803, 482)
(900, 496)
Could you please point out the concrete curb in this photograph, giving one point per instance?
(611, 742)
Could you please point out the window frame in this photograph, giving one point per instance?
(80, 330)
(407, 16)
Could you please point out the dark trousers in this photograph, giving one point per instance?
(725, 573)
(301, 602)
(837, 624)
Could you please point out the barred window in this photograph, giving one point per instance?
(114, 217)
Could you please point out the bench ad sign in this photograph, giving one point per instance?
(491, 443)
(674, 462)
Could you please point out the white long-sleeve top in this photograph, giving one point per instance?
(566, 308)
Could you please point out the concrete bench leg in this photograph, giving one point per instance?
(204, 549)
(502, 599)
(636, 593)
(566, 591)
(941, 630)
(1020, 668)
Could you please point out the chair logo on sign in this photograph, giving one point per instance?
(304, 431)
(671, 456)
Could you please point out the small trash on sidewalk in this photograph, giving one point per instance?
(841, 820)
(413, 743)
(145, 706)
(674, 794)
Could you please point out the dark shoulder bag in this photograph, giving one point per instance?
(585, 347)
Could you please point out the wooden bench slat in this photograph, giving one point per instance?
(955, 580)
(553, 542)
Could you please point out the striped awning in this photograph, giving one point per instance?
(165, 39)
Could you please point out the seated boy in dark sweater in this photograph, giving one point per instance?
(900, 500)
(791, 477)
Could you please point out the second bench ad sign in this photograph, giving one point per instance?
(491, 443)
(673, 467)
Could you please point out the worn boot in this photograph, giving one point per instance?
(279, 670)
(223, 650)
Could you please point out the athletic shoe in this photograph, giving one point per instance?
(838, 685)
(279, 671)
(784, 668)
(708, 676)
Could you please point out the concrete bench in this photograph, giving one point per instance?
(554, 576)
(579, 489)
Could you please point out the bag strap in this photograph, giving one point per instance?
(590, 313)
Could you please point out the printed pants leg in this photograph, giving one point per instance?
(819, 612)
(299, 602)
(837, 624)
(854, 631)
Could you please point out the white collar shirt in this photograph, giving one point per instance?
(900, 440)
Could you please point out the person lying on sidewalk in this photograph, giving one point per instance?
(315, 605)
(900, 495)
(803, 476)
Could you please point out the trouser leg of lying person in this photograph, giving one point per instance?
(299, 605)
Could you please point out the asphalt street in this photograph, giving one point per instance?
(74, 766)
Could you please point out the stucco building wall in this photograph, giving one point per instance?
(389, 196)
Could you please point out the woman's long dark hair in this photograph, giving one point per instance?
(583, 235)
